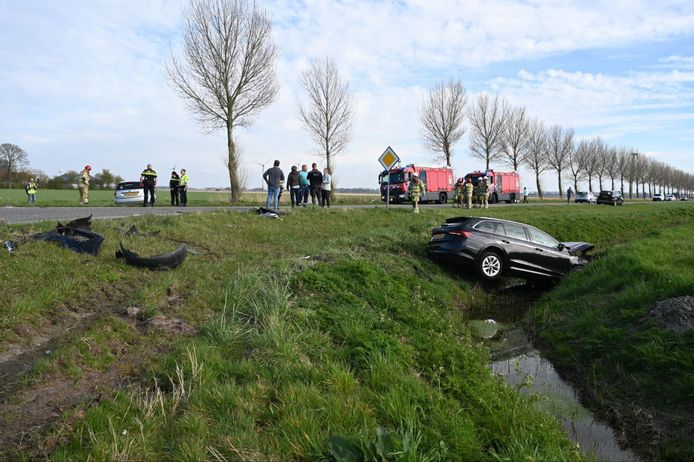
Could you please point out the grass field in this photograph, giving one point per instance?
(67, 198)
(639, 373)
(323, 335)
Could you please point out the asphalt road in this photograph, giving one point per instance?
(15, 215)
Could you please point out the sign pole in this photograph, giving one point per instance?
(388, 160)
(388, 191)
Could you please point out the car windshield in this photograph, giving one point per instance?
(394, 177)
(541, 238)
(129, 185)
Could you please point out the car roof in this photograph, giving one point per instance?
(463, 219)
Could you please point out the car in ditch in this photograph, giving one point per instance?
(584, 197)
(129, 192)
(497, 248)
(610, 198)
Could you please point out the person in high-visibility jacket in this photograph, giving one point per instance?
(416, 189)
(458, 193)
(467, 192)
(30, 189)
(83, 185)
(148, 180)
(183, 187)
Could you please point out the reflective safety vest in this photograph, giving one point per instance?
(416, 188)
(31, 188)
(149, 175)
(184, 179)
(467, 189)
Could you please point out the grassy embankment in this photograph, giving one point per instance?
(362, 341)
(100, 197)
(595, 327)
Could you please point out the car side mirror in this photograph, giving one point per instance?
(560, 246)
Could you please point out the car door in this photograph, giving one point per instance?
(519, 250)
(547, 258)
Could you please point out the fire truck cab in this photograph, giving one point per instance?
(503, 186)
(438, 183)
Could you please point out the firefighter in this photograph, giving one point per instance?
(416, 188)
(484, 192)
(83, 185)
(458, 193)
(467, 191)
(148, 180)
(183, 187)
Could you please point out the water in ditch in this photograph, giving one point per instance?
(522, 366)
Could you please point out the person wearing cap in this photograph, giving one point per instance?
(83, 185)
(173, 187)
(183, 187)
(148, 180)
(415, 187)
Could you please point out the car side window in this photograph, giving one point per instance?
(486, 226)
(541, 238)
(515, 231)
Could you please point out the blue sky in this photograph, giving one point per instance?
(82, 82)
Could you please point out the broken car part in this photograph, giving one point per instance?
(158, 262)
(78, 240)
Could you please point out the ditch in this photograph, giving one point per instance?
(497, 322)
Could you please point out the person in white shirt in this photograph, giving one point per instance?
(325, 188)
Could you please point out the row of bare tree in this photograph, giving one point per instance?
(506, 134)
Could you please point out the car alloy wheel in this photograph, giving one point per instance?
(490, 265)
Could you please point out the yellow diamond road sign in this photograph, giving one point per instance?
(388, 159)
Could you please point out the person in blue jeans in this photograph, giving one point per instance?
(303, 185)
(274, 177)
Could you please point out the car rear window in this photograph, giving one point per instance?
(515, 230)
(129, 185)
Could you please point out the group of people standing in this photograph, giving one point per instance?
(178, 187)
(465, 191)
(299, 183)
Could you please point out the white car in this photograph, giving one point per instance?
(129, 192)
(658, 197)
(670, 197)
(585, 197)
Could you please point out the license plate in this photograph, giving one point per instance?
(130, 194)
(438, 236)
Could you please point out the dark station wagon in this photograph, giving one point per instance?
(610, 198)
(497, 248)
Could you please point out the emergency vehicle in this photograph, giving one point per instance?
(438, 183)
(503, 186)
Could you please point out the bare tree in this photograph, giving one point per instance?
(611, 165)
(515, 137)
(560, 142)
(622, 166)
(577, 161)
(487, 117)
(227, 73)
(442, 118)
(536, 159)
(328, 114)
(11, 158)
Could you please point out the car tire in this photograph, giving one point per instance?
(490, 265)
(443, 198)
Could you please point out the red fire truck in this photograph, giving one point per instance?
(438, 183)
(503, 186)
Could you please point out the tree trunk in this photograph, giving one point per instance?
(233, 167)
(621, 186)
(612, 179)
(630, 188)
(561, 192)
(590, 182)
(600, 181)
(537, 183)
(576, 184)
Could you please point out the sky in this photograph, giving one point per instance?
(84, 82)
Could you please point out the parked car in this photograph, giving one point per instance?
(129, 192)
(658, 197)
(497, 248)
(683, 198)
(670, 197)
(585, 197)
(610, 198)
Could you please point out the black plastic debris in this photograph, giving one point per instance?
(78, 240)
(10, 246)
(75, 235)
(269, 213)
(158, 262)
(134, 231)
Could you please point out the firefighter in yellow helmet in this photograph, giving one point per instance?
(83, 185)
(416, 188)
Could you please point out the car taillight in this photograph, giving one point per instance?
(465, 234)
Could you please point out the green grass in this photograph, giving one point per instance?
(358, 349)
(635, 366)
(100, 197)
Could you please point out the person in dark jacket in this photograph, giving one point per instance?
(294, 186)
(173, 187)
(274, 177)
(315, 181)
(148, 180)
